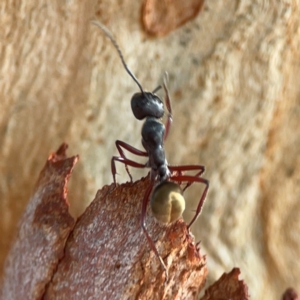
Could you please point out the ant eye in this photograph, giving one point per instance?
(167, 202)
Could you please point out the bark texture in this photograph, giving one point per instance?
(228, 287)
(161, 17)
(108, 256)
(234, 81)
(105, 255)
(43, 232)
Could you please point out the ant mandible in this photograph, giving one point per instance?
(167, 201)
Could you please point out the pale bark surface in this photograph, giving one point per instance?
(234, 81)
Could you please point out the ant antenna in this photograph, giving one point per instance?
(109, 35)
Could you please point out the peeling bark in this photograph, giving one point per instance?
(105, 255)
(161, 17)
(108, 257)
(290, 294)
(228, 287)
(43, 231)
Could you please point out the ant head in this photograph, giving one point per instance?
(143, 104)
(167, 202)
(147, 104)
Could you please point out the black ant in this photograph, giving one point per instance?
(167, 201)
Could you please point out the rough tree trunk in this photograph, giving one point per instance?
(234, 81)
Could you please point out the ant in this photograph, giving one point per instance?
(167, 201)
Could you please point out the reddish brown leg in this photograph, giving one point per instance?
(192, 179)
(186, 168)
(169, 107)
(120, 146)
(126, 162)
(143, 224)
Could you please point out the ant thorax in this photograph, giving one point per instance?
(152, 139)
(167, 200)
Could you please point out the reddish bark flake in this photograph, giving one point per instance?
(43, 231)
(105, 255)
(290, 294)
(108, 257)
(227, 287)
(160, 17)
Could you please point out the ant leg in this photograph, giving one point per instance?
(181, 169)
(129, 148)
(192, 179)
(143, 225)
(122, 145)
(168, 105)
(125, 161)
(190, 183)
(156, 89)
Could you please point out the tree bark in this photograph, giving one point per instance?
(105, 255)
(234, 82)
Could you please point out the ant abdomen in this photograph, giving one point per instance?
(167, 202)
(147, 104)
